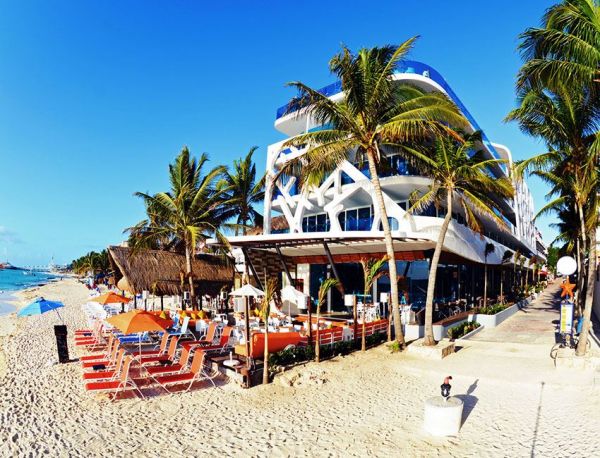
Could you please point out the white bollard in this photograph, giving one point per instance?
(443, 418)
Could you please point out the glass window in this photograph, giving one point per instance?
(393, 222)
(352, 220)
(364, 219)
(322, 221)
(342, 220)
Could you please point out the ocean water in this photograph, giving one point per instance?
(14, 280)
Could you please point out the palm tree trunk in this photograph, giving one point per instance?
(317, 343)
(354, 319)
(188, 267)
(485, 282)
(579, 292)
(589, 295)
(501, 285)
(266, 355)
(389, 248)
(363, 343)
(429, 340)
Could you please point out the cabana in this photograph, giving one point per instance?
(161, 272)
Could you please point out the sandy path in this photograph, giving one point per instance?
(362, 405)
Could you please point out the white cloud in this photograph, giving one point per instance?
(8, 236)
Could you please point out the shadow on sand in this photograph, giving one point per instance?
(469, 401)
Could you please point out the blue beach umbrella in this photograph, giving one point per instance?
(39, 306)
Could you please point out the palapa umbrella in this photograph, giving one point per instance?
(111, 298)
(39, 306)
(247, 291)
(138, 321)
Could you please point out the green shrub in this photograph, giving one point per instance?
(394, 346)
(492, 309)
(456, 332)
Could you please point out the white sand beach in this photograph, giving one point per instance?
(361, 405)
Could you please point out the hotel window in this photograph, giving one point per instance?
(356, 219)
(393, 222)
(316, 223)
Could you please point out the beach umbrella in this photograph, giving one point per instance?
(246, 292)
(138, 321)
(39, 306)
(111, 298)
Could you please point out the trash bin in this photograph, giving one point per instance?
(60, 331)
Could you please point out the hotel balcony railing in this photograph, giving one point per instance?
(408, 66)
(389, 167)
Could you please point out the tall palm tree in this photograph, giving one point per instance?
(505, 258)
(376, 113)
(565, 49)
(265, 311)
(568, 121)
(245, 192)
(457, 175)
(180, 219)
(489, 249)
(326, 285)
(372, 270)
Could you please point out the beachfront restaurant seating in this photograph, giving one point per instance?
(277, 342)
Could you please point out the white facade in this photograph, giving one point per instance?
(344, 204)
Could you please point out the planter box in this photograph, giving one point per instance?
(491, 321)
(414, 331)
(470, 334)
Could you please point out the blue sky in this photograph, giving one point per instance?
(96, 98)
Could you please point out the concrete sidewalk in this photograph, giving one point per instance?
(534, 324)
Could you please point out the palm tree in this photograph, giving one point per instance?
(326, 285)
(565, 49)
(522, 260)
(458, 176)
(372, 270)
(245, 192)
(489, 249)
(505, 258)
(193, 210)
(562, 58)
(376, 113)
(265, 310)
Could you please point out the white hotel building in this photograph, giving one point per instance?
(327, 231)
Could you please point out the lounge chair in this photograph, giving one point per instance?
(183, 330)
(195, 374)
(161, 358)
(206, 345)
(109, 361)
(108, 351)
(118, 382)
(210, 335)
(181, 364)
(108, 372)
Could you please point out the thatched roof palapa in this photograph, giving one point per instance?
(278, 223)
(160, 272)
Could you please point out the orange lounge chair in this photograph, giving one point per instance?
(181, 364)
(118, 382)
(110, 361)
(210, 335)
(107, 373)
(195, 374)
(205, 345)
(109, 347)
(161, 358)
